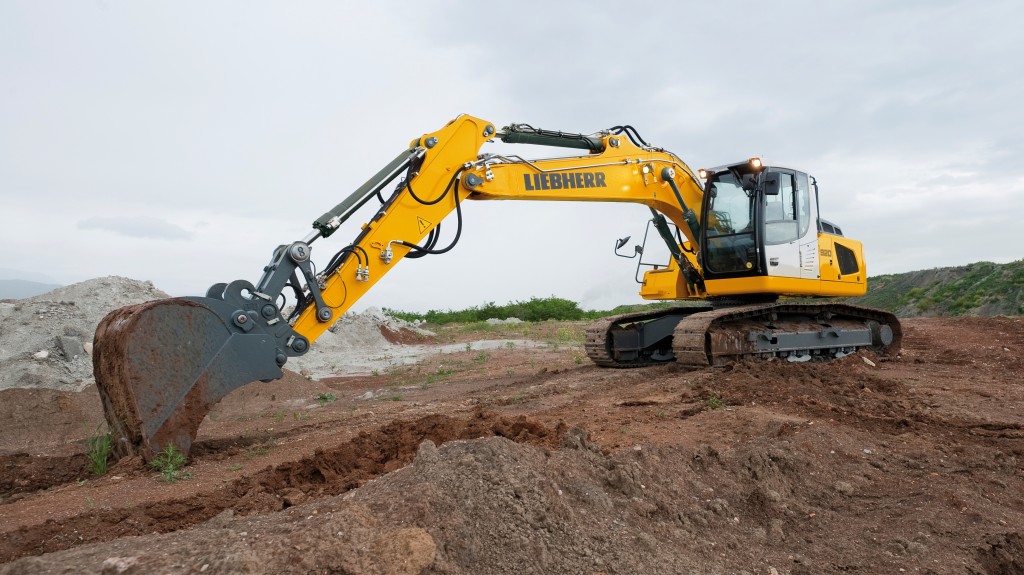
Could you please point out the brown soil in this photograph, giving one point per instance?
(533, 461)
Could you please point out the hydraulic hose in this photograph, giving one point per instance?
(432, 238)
(424, 250)
(632, 134)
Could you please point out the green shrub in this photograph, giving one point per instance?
(533, 310)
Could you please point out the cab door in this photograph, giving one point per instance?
(808, 209)
(790, 242)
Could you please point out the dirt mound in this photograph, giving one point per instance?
(45, 340)
(1002, 554)
(325, 474)
(372, 342)
(501, 507)
(361, 325)
(360, 344)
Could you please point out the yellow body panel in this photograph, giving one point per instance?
(829, 261)
(764, 285)
(666, 283)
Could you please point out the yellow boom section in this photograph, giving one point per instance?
(452, 170)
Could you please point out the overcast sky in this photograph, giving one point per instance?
(181, 142)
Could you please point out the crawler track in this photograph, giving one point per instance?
(817, 330)
(601, 336)
(704, 336)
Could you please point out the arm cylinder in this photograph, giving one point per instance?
(354, 201)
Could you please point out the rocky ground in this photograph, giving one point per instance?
(526, 459)
(45, 340)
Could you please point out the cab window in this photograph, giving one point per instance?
(803, 202)
(729, 246)
(787, 215)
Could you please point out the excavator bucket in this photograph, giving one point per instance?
(160, 366)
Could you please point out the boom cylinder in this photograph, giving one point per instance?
(523, 134)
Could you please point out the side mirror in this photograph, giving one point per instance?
(637, 250)
(771, 184)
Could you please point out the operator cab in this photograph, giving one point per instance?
(757, 220)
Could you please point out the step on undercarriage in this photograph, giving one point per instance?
(701, 336)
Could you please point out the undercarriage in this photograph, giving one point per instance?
(700, 336)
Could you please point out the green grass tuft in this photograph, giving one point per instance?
(169, 463)
(99, 452)
(325, 398)
(715, 402)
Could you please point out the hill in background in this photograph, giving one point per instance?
(979, 289)
(19, 289)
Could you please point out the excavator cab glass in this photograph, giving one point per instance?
(771, 184)
(729, 245)
(787, 211)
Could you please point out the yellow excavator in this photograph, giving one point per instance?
(739, 237)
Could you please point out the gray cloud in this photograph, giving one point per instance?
(136, 227)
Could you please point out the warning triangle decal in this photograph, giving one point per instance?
(424, 224)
